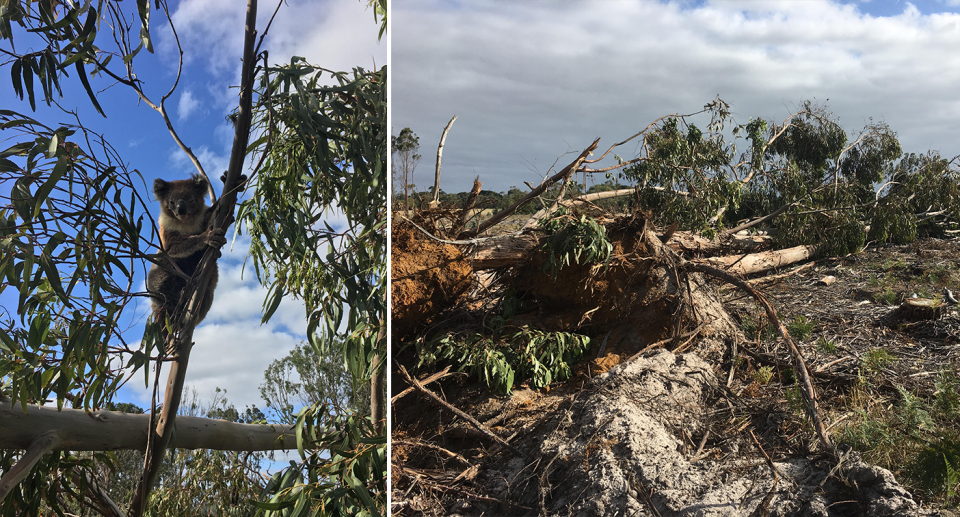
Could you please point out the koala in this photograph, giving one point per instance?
(184, 218)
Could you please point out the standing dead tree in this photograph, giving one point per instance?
(436, 180)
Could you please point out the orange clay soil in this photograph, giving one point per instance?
(428, 277)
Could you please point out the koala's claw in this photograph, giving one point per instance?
(216, 238)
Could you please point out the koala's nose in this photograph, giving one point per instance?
(181, 208)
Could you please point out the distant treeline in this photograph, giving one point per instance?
(489, 199)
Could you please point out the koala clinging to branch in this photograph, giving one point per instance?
(184, 218)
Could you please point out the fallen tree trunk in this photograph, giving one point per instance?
(760, 262)
(513, 250)
(78, 430)
(691, 243)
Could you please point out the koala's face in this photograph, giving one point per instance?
(182, 199)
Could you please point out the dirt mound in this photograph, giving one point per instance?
(428, 276)
(637, 295)
(627, 447)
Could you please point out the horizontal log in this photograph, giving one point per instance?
(688, 242)
(503, 252)
(513, 250)
(78, 430)
(760, 262)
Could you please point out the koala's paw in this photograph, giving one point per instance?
(215, 238)
(242, 179)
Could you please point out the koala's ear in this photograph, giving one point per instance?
(160, 188)
(199, 183)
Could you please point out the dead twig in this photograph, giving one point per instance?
(427, 380)
(482, 428)
(763, 509)
(808, 391)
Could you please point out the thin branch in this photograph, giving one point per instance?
(436, 181)
(569, 169)
(480, 427)
(41, 445)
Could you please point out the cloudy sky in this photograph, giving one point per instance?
(531, 81)
(232, 348)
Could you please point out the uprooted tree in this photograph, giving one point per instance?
(524, 305)
(77, 226)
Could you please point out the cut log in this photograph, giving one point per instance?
(505, 252)
(760, 262)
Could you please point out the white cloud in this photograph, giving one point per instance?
(335, 34)
(186, 106)
(232, 348)
(532, 80)
(214, 163)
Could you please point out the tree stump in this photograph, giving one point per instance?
(918, 309)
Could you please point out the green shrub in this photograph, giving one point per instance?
(877, 359)
(571, 240)
(529, 354)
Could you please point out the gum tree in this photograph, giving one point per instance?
(75, 229)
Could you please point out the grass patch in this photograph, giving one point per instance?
(827, 346)
(801, 328)
(877, 359)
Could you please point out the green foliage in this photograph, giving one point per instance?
(826, 345)
(887, 297)
(947, 394)
(68, 40)
(751, 329)
(502, 361)
(572, 240)
(801, 328)
(306, 377)
(763, 375)
(869, 434)
(936, 468)
(877, 359)
(795, 399)
(324, 149)
(350, 481)
(68, 252)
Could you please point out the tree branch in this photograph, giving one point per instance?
(436, 181)
(38, 446)
(102, 430)
(569, 169)
(184, 321)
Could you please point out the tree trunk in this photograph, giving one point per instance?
(759, 262)
(378, 405)
(78, 430)
(436, 180)
(512, 250)
(182, 337)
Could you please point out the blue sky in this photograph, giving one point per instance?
(531, 81)
(232, 348)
